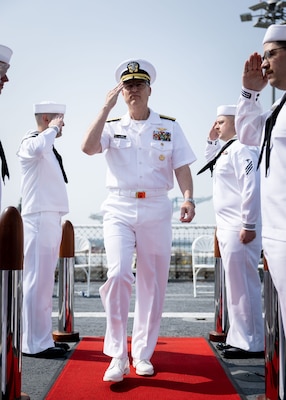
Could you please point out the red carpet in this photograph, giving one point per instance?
(186, 368)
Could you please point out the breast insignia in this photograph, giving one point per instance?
(166, 117)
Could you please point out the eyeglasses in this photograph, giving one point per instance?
(270, 53)
(137, 86)
(3, 69)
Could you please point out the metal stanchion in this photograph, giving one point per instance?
(66, 287)
(274, 342)
(11, 271)
(221, 318)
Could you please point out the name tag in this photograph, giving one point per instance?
(120, 136)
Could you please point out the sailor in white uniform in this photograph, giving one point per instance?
(143, 151)
(236, 201)
(5, 57)
(44, 202)
(256, 128)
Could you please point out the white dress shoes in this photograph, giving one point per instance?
(143, 367)
(116, 370)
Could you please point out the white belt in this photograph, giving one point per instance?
(139, 194)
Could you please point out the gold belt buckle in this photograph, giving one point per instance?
(140, 195)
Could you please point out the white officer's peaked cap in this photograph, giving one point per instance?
(226, 110)
(49, 107)
(135, 68)
(275, 33)
(5, 54)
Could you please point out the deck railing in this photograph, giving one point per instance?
(183, 236)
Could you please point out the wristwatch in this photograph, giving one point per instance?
(55, 127)
(191, 201)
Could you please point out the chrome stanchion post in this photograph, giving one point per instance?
(11, 295)
(66, 331)
(221, 318)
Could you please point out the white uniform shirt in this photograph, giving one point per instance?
(42, 184)
(236, 189)
(250, 124)
(143, 154)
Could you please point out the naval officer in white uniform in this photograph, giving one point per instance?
(143, 152)
(236, 199)
(44, 202)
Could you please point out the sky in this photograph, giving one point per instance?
(67, 51)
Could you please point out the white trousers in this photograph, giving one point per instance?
(275, 254)
(144, 226)
(243, 290)
(42, 238)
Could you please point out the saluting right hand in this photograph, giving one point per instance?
(58, 120)
(112, 96)
(213, 134)
(253, 77)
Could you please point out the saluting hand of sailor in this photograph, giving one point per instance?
(57, 120)
(213, 134)
(253, 77)
(246, 236)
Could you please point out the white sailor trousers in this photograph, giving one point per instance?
(142, 226)
(243, 290)
(275, 254)
(42, 238)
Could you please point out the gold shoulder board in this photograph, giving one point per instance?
(166, 117)
(113, 119)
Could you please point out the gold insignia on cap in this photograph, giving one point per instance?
(133, 67)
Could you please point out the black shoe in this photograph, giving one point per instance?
(64, 346)
(51, 352)
(234, 352)
(223, 346)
